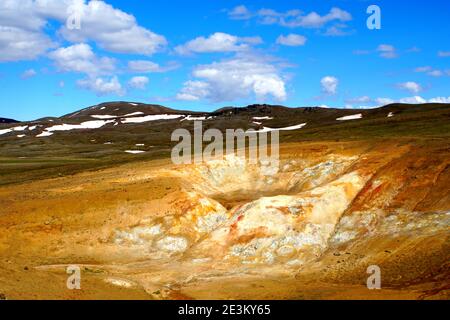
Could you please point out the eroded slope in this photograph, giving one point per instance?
(162, 231)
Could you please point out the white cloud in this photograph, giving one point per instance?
(251, 40)
(235, 78)
(338, 30)
(139, 82)
(101, 86)
(80, 58)
(430, 71)
(293, 40)
(410, 86)
(440, 100)
(28, 74)
(387, 51)
(113, 30)
(380, 102)
(420, 100)
(413, 100)
(194, 90)
(145, 66)
(384, 101)
(292, 18)
(18, 44)
(217, 42)
(329, 85)
(240, 13)
(436, 73)
(23, 37)
(314, 20)
(269, 16)
(443, 54)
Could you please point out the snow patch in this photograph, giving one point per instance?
(84, 125)
(19, 128)
(4, 131)
(192, 118)
(134, 151)
(154, 117)
(44, 134)
(100, 116)
(262, 118)
(138, 113)
(352, 117)
(296, 127)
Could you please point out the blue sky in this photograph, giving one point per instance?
(57, 56)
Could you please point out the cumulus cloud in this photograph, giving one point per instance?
(240, 13)
(430, 71)
(145, 66)
(113, 30)
(384, 101)
(380, 102)
(80, 58)
(338, 30)
(293, 18)
(270, 16)
(18, 44)
(139, 82)
(194, 90)
(440, 100)
(436, 73)
(410, 86)
(329, 85)
(217, 42)
(28, 74)
(313, 19)
(387, 51)
(293, 40)
(413, 100)
(235, 78)
(23, 37)
(420, 100)
(102, 86)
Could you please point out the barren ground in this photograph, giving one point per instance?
(152, 230)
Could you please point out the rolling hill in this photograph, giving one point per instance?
(119, 132)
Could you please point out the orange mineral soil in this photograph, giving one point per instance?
(226, 229)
